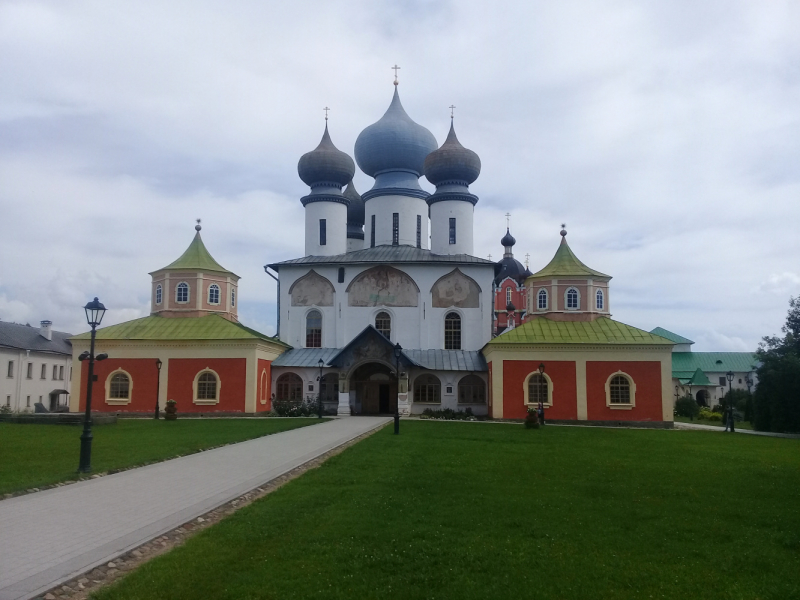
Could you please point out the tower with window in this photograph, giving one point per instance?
(510, 294)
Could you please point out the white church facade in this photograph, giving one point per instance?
(388, 277)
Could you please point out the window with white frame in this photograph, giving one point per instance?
(383, 323)
(289, 387)
(55, 372)
(620, 391)
(541, 299)
(206, 387)
(159, 291)
(29, 374)
(61, 373)
(508, 295)
(233, 298)
(10, 372)
(44, 372)
(572, 299)
(119, 387)
(428, 389)
(538, 389)
(213, 294)
(452, 331)
(599, 303)
(471, 390)
(314, 329)
(182, 292)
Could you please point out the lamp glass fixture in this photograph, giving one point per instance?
(94, 312)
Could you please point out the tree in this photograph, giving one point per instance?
(777, 397)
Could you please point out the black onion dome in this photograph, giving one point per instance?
(508, 239)
(355, 210)
(509, 266)
(452, 162)
(326, 163)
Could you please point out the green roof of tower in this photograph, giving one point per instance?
(154, 327)
(197, 258)
(697, 378)
(566, 264)
(602, 330)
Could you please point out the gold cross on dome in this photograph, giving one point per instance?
(451, 107)
(326, 109)
(395, 67)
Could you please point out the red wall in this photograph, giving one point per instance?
(646, 375)
(565, 394)
(143, 374)
(232, 374)
(264, 365)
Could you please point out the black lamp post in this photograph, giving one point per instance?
(729, 375)
(158, 382)
(541, 393)
(398, 350)
(94, 315)
(749, 382)
(321, 363)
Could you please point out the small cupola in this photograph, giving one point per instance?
(195, 285)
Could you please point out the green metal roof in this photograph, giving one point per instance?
(686, 364)
(602, 330)
(197, 258)
(698, 378)
(665, 333)
(154, 327)
(566, 264)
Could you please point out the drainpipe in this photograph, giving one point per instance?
(278, 281)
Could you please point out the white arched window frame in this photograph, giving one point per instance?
(202, 390)
(616, 385)
(213, 294)
(383, 323)
(182, 293)
(264, 384)
(452, 331)
(159, 294)
(541, 299)
(533, 377)
(313, 323)
(118, 391)
(428, 389)
(508, 295)
(289, 386)
(599, 300)
(572, 299)
(472, 390)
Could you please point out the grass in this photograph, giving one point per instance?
(39, 455)
(464, 510)
(738, 424)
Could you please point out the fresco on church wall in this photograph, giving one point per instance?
(312, 290)
(455, 289)
(383, 286)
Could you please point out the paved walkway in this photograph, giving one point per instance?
(679, 425)
(51, 536)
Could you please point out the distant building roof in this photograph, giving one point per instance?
(385, 254)
(697, 378)
(196, 258)
(305, 357)
(678, 339)
(685, 364)
(154, 327)
(602, 330)
(436, 360)
(25, 337)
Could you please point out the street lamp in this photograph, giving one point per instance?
(748, 381)
(729, 375)
(321, 364)
(541, 393)
(398, 350)
(94, 315)
(158, 382)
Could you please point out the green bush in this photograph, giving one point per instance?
(448, 414)
(687, 407)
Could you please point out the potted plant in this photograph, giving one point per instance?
(171, 411)
(532, 418)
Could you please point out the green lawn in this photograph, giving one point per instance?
(37, 455)
(484, 511)
(738, 425)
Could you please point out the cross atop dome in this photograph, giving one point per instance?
(197, 227)
(395, 67)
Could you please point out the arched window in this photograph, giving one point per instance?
(452, 331)
(314, 329)
(542, 299)
(120, 387)
(264, 385)
(383, 323)
(471, 390)
(427, 388)
(213, 294)
(619, 390)
(158, 294)
(207, 386)
(538, 389)
(289, 387)
(572, 299)
(233, 298)
(508, 295)
(329, 390)
(182, 292)
(599, 303)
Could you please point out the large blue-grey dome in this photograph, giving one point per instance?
(326, 164)
(452, 162)
(394, 143)
(355, 210)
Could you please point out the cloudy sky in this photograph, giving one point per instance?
(665, 134)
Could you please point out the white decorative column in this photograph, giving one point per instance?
(344, 397)
(403, 405)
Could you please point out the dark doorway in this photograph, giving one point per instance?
(376, 389)
(383, 396)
